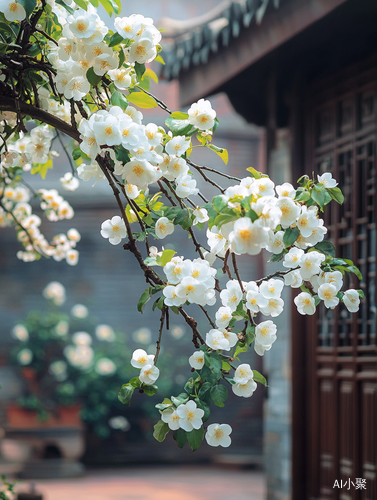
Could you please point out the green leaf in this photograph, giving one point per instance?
(165, 404)
(290, 236)
(41, 168)
(28, 5)
(195, 438)
(254, 173)
(204, 405)
(152, 75)
(159, 59)
(93, 79)
(320, 196)
(116, 39)
(160, 431)
(159, 303)
(150, 390)
(82, 4)
(189, 386)
(361, 293)
(225, 366)
(210, 375)
(220, 202)
(125, 394)
(219, 394)
(204, 390)
(181, 437)
(258, 377)
(178, 115)
(167, 256)
(180, 400)
(336, 194)
(171, 213)
(142, 100)
(140, 70)
(108, 6)
(212, 360)
(317, 300)
(355, 270)
(222, 219)
(277, 257)
(135, 382)
(239, 350)
(325, 247)
(338, 262)
(122, 154)
(119, 99)
(302, 195)
(178, 127)
(145, 296)
(181, 216)
(222, 152)
(122, 58)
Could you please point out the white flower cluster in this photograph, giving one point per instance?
(55, 291)
(83, 47)
(189, 280)
(273, 207)
(244, 381)
(149, 373)
(80, 355)
(144, 35)
(17, 211)
(186, 416)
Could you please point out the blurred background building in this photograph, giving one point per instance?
(294, 84)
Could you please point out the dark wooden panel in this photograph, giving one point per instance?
(341, 137)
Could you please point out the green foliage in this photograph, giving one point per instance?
(119, 99)
(259, 378)
(290, 236)
(219, 394)
(142, 100)
(28, 5)
(195, 438)
(144, 298)
(222, 152)
(125, 394)
(160, 431)
(178, 126)
(325, 247)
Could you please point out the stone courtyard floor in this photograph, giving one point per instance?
(156, 483)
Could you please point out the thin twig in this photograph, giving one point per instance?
(158, 343)
(208, 317)
(73, 169)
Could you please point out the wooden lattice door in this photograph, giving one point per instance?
(341, 441)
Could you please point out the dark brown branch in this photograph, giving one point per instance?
(193, 325)
(225, 268)
(9, 104)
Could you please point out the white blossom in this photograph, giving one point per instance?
(190, 417)
(243, 374)
(351, 300)
(327, 292)
(326, 180)
(196, 360)
(149, 374)
(163, 227)
(218, 435)
(201, 115)
(305, 303)
(171, 417)
(246, 389)
(140, 359)
(114, 229)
